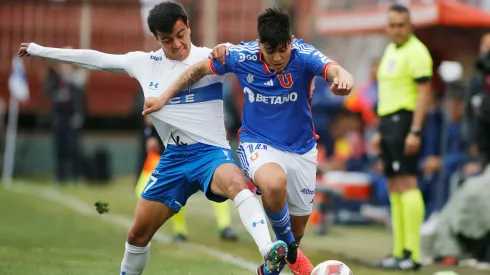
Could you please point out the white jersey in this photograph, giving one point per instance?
(195, 115)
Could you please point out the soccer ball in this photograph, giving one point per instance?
(332, 268)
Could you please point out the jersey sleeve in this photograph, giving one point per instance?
(231, 60)
(315, 62)
(238, 54)
(420, 64)
(90, 59)
(135, 63)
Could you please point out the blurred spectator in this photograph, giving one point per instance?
(462, 230)
(152, 143)
(364, 100)
(148, 137)
(365, 97)
(349, 149)
(478, 107)
(64, 86)
(429, 163)
(325, 106)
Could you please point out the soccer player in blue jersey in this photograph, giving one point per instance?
(277, 140)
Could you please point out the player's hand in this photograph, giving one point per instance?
(23, 50)
(471, 168)
(341, 86)
(432, 165)
(152, 145)
(152, 104)
(376, 143)
(412, 144)
(220, 52)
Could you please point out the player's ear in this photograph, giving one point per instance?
(189, 26)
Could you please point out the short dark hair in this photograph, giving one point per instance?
(274, 28)
(399, 8)
(163, 16)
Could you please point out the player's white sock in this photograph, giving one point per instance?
(135, 259)
(253, 217)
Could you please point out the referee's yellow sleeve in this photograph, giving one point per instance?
(420, 62)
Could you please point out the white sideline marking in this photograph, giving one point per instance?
(87, 210)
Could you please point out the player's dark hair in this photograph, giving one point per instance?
(274, 28)
(399, 8)
(163, 16)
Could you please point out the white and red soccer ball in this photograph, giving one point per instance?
(331, 267)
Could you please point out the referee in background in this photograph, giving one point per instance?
(404, 76)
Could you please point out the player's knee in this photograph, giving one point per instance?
(139, 237)
(395, 185)
(236, 185)
(274, 184)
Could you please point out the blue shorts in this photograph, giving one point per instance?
(184, 170)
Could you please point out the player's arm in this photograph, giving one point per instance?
(342, 80)
(87, 59)
(320, 65)
(421, 70)
(189, 77)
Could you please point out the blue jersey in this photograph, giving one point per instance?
(277, 107)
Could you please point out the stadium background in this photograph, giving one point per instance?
(348, 31)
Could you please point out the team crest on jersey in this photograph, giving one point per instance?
(250, 78)
(286, 80)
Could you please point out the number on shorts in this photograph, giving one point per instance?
(153, 180)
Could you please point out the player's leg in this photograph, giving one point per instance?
(161, 198)
(221, 178)
(405, 181)
(148, 218)
(394, 191)
(301, 192)
(179, 226)
(405, 197)
(413, 212)
(223, 220)
(263, 164)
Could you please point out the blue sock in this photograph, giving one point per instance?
(281, 224)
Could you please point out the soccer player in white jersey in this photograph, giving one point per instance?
(197, 155)
(277, 138)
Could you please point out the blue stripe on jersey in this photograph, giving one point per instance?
(201, 94)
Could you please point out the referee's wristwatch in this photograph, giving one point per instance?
(416, 131)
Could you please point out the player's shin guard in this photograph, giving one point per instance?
(281, 224)
(135, 259)
(253, 218)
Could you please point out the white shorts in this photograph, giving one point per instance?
(300, 171)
